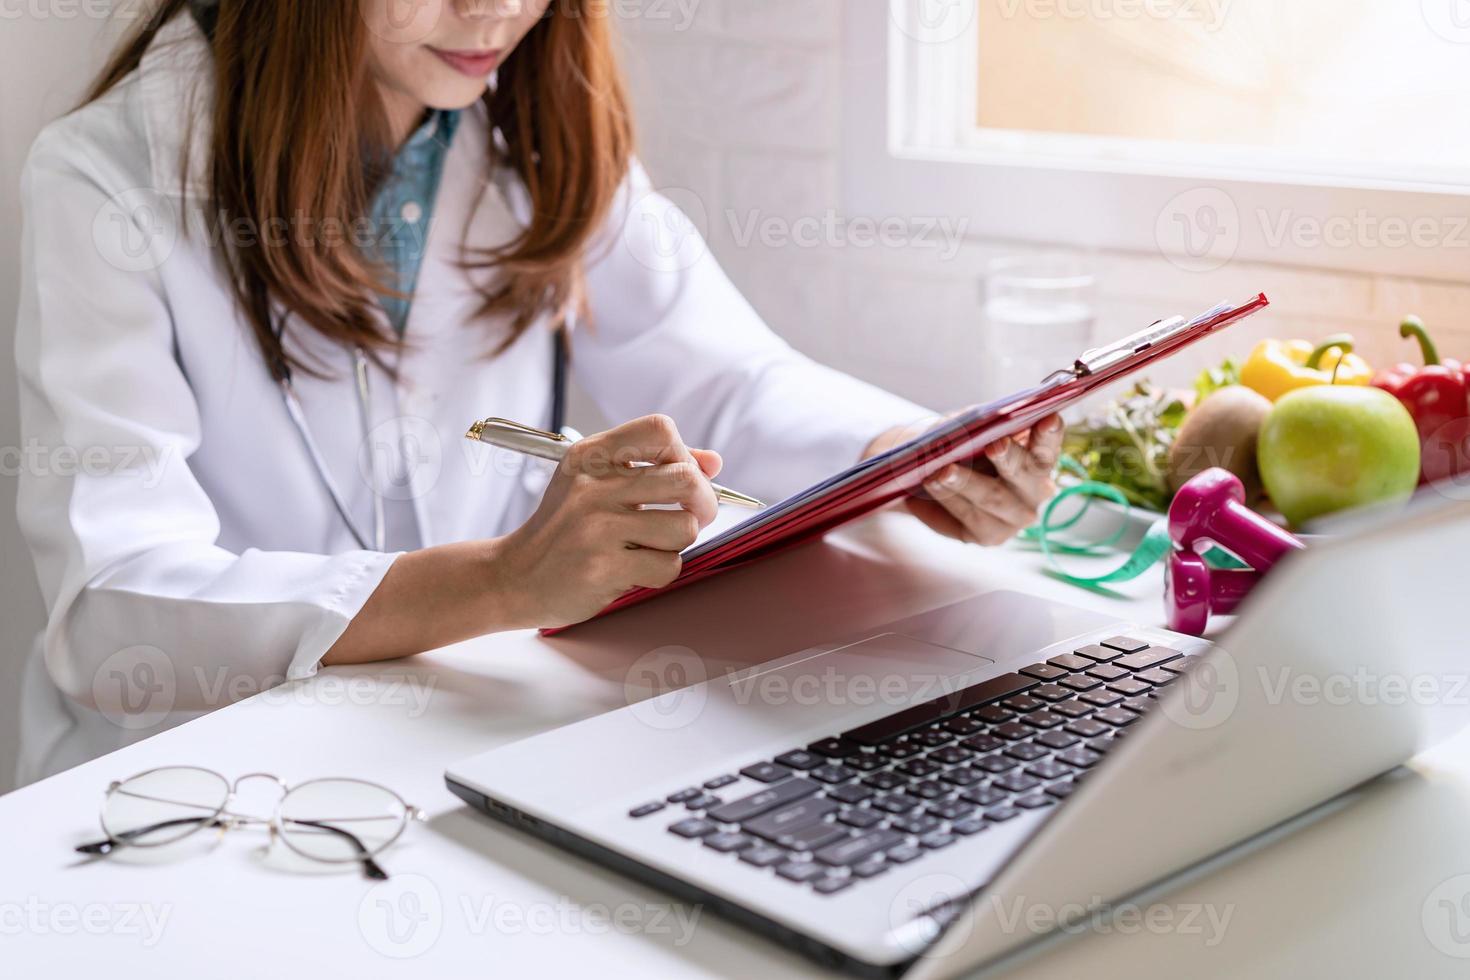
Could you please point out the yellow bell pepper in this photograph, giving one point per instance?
(1278, 366)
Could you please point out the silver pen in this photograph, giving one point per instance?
(528, 441)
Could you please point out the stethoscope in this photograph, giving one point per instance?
(362, 388)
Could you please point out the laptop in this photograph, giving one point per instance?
(880, 803)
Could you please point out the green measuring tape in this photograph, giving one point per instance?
(1051, 537)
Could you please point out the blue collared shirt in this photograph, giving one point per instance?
(404, 207)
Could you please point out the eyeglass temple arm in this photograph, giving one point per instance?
(370, 868)
(108, 845)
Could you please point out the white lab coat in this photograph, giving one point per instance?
(187, 549)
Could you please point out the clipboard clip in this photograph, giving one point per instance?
(1099, 359)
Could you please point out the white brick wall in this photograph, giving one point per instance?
(740, 103)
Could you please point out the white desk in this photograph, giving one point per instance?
(1345, 897)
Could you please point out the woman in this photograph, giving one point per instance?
(277, 262)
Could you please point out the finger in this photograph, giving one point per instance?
(1018, 469)
(709, 461)
(646, 569)
(1046, 443)
(681, 483)
(983, 527)
(1009, 458)
(992, 495)
(661, 530)
(980, 527)
(651, 439)
(937, 519)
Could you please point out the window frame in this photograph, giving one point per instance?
(1096, 193)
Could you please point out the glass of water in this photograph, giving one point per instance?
(1039, 316)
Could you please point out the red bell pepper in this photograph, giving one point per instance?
(1437, 395)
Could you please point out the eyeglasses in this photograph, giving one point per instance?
(334, 821)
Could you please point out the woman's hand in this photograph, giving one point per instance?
(588, 543)
(989, 510)
(592, 539)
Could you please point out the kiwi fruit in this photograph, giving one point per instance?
(1221, 431)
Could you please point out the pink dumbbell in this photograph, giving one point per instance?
(1193, 591)
(1211, 508)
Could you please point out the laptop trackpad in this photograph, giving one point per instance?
(870, 678)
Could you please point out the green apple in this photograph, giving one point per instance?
(1333, 447)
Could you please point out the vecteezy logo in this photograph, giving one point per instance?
(1446, 453)
(666, 687)
(401, 917)
(1199, 230)
(927, 906)
(136, 230)
(1450, 19)
(665, 230)
(934, 21)
(1445, 917)
(401, 458)
(1207, 695)
(135, 688)
(402, 21)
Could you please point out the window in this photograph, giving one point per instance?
(1322, 87)
(1318, 133)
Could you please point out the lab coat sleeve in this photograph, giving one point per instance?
(122, 534)
(670, 334)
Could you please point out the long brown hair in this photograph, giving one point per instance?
(298, 130)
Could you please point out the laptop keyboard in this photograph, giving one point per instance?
(849, 807)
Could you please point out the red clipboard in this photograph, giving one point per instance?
(879, 481)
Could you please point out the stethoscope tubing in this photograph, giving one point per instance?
(362, 387)
(298, 420)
